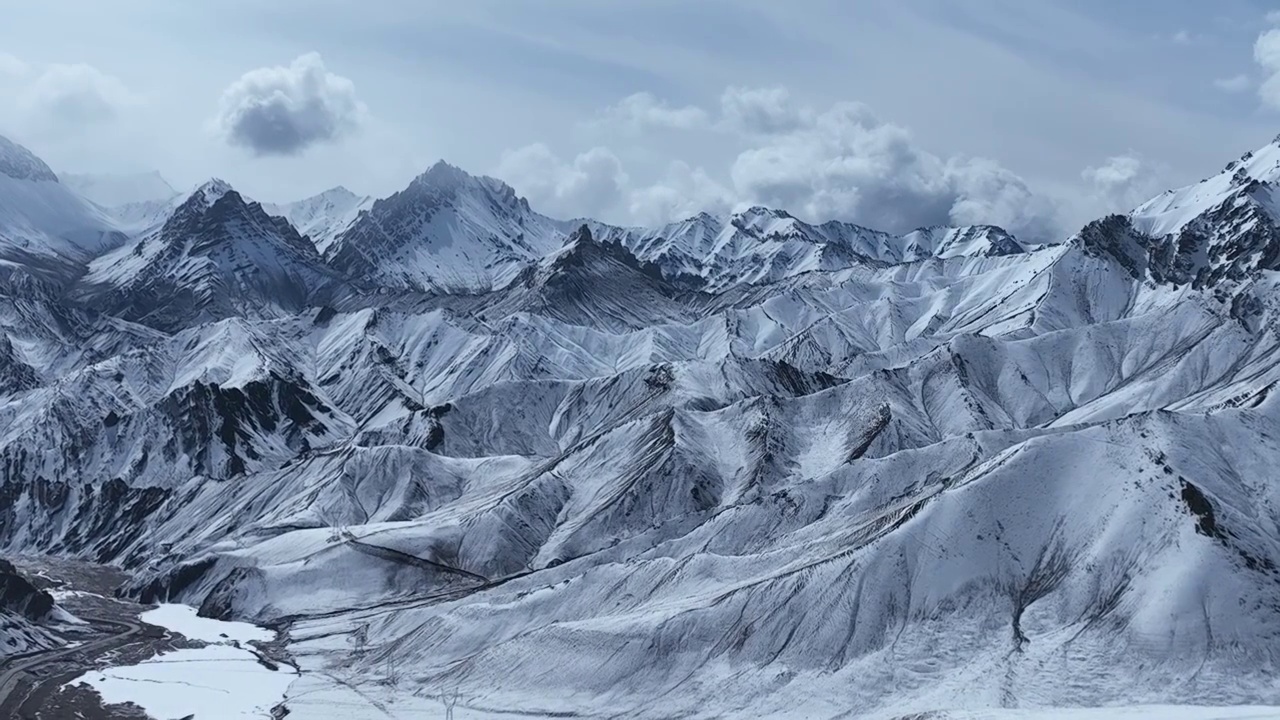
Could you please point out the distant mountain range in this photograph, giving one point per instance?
(734, 466)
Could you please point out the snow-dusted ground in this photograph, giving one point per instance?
(218, 682)
(1149, 712)
(183, 620)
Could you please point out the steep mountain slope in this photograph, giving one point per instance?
(731, 467)
(325, 216)
(43, 224)
(447, 232)
(217, 256)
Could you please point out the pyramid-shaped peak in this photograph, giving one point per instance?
(20, 163)
(443, 175)
(209, 192)
(444, 178)
(340, 191)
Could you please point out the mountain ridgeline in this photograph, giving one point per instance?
(738, 462)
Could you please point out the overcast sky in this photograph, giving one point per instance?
(1033, 114)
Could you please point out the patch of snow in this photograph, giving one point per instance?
(218, 682)
(183, 620)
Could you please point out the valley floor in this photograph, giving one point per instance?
(117, 660)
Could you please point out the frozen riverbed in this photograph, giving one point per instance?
(222, 680)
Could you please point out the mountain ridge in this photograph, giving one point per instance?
(743, 465)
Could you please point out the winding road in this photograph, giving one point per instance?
(19, 702)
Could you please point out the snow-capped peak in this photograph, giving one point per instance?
(443, 175)
(1172, 210)
(209, 192)
(1224, 227)
(447, 230)
(444, 180)
(20, 163)
(324, 216)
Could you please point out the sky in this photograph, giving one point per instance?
(1037, 115)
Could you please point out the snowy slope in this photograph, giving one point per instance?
(736, 466)
(325, 216)
(448, 232)
(42, 219)
(216, 256)
(763, 245)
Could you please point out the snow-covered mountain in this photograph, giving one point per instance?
(325, 216)
(763, 245)
(447, 232)
(42, 221)
(217, 256)
(739, 466)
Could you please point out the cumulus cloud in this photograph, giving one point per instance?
(11, 66)
(1120, 184)
(682, 193)
(848, 164)
(590, 184)
(286, 110)
(840, 163)
(1238, 84)
(1266, 52)
(759, 111)
(67, 97)
(643, 110)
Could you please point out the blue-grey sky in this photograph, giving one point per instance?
(1035, 114)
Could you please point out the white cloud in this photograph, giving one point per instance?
(1238, 84)
(1182, 37)
(1120, 184)
(1266, 52)
(840, 163)
(848, 164)
(1273, 17)
(64, 98)
(285, 110)
(759, 111)
(642, 110)
(11, 66)
(682, 193)
(589, 185)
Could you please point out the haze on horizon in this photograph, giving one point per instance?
(1035, 115)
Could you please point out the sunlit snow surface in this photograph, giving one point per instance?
(216, 682)
(183, 620)
(1147, 712)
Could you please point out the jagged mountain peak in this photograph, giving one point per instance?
(1221, 228)
(209, 191)
(444, 178)
(968, 241)
(442, 174)
(324, 216)
(448, 230)
(217, 214)
(20, 163)
(1171, 211)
